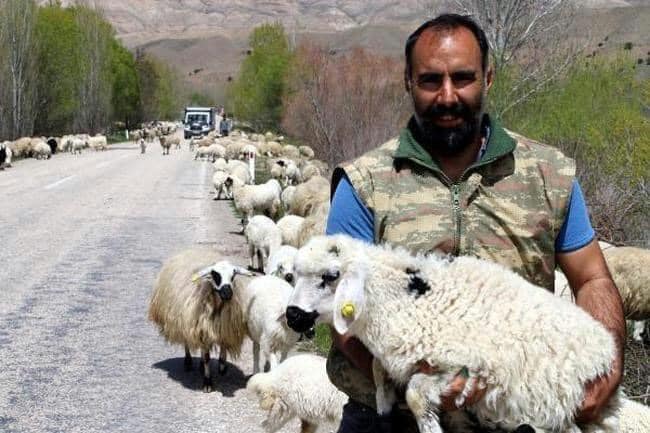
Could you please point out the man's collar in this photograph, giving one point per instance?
(499, 144)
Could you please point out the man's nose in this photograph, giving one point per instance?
(447, 94)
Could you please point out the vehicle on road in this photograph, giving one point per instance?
(199, 121)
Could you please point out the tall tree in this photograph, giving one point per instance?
(59, 68)
(95, 85)
(18, 72)
(256, 95)
(125, 100)
(529, 43)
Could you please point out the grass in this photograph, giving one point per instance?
(320, 344)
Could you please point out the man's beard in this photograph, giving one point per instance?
(447, 141)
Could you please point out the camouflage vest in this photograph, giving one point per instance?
(507, 208)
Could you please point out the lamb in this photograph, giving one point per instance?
(280, 263)
(290, 226)
(264, 299)
(250, 199)
(196, 310)
(76, 144)
(298, 388)
(218, 179)
(451, 315)
(264, 238)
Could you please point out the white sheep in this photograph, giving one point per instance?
(192, 306)
(309, 195)
(77, 144)
(630, 270)
(425, 319)
(290, 151)
(98, 142)
(264, 238)
(280, 263)
(251, 199)
(290, 226)
(264, 300)
(40, 149)
(298, 388)
(287, 197)
(314, 224)
(218, 180)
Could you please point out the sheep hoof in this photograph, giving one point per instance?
(207, 385)
(222, 368)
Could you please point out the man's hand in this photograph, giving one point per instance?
(597, 394)
(455, 389)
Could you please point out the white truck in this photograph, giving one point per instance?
(199, 121)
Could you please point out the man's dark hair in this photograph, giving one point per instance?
(446, 22)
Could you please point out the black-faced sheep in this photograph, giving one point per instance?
(192, 306)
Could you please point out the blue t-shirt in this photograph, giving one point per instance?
(348, 215)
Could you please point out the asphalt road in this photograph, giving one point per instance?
(81, 241)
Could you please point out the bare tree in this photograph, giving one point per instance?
(94, 88)
(343, 105)
(18, 71)
(529, 42)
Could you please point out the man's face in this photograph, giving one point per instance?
(448, 87)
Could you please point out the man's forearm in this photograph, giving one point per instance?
(600, 298)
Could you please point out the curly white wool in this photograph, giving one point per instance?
(455, 314)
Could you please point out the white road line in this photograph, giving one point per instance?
(59, 182)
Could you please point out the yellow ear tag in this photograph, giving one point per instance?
(195, 277)
(347, 310)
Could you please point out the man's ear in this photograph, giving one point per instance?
(349, 299)
(489, 78)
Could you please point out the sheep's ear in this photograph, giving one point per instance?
(349, 299)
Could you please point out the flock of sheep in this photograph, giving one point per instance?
(204, 301)
(43, 148)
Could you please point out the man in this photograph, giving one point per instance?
(224, 125)
(456, 182)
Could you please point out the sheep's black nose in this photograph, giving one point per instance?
(299, 320)
(289, 278)
(225, 292)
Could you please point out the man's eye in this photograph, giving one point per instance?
(330, 276)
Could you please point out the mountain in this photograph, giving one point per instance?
(207, 39)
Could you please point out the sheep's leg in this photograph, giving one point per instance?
(207, 378)
(222, 365)
(385, 391)
(256, 357)
(423, 398)
(267, 354)
(251, 252)
(273, 360)
(261, 258)
(187, 363)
